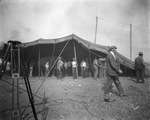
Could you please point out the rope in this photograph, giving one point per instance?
(116, 22)
(89, 50)
(21, 88)
(113, 21)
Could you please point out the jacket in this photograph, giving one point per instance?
(139, 63)
(112, 65)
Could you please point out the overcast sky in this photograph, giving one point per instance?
(28, 20)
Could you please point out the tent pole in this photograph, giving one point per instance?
(96, 29)
(90, 58)
(39, 63)
(75, 54)
(130, 41)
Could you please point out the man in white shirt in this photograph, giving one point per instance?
(74, 68)
(46, 68)
(0, 63)
(84, 68)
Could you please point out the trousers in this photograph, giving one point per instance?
(108, 85)
(140, 74)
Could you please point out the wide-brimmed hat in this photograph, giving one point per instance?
(140, 53)
(112, 47)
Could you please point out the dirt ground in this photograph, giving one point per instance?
(77, 99)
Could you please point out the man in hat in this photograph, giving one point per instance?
(59, 68)
(112, 71)
(95, 66)
(139, 67)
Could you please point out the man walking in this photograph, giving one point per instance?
(139, 67)
(95, 66)
(112, 71)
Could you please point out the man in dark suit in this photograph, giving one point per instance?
(139, 67)
(112, 71)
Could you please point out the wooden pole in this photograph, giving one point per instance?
(75, 54)
(39, 68)
(96, 29)
(130, 41)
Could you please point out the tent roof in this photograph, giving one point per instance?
(104, 49)
(87, 44)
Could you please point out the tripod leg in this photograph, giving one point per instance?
(27, 83)
(13, 94)
(30, 95)
(16, 111)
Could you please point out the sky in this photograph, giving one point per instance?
(29, 20)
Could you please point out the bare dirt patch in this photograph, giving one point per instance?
(78, 99)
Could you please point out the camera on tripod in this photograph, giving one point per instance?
(13, 53)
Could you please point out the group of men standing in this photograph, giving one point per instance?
(66, 68)
(71, 68)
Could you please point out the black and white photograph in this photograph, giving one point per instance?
(74, 59)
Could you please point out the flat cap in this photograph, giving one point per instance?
(112, 47)
(140, 53)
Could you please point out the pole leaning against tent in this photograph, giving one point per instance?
(58, 57)
(75, 55)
